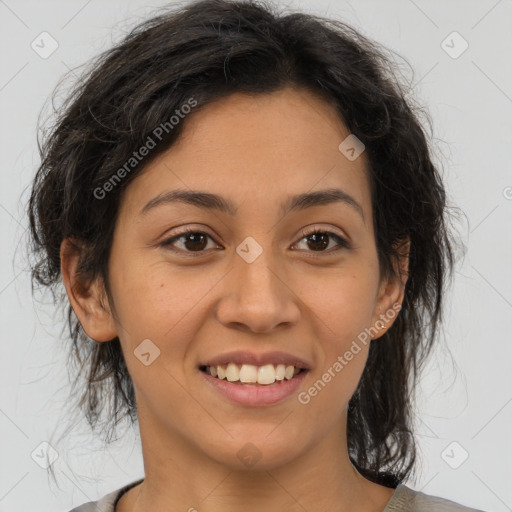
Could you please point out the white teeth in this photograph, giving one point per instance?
(251, 374)
(267, 374)
(288, 374)
(248, 373)
(280, 371)
(232, 372)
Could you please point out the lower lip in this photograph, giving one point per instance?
(256, 395)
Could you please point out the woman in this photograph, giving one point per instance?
(251, 233)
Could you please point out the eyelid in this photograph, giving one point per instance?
(319, 229)
(167, 242)
(305, 232)
(344, 240)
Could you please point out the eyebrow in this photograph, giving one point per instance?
(209, 201)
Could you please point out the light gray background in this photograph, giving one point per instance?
(470, 99)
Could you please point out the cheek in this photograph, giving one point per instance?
(344, 301)
(152, 306)
(345, 352)
(152, 301)
(329, 390)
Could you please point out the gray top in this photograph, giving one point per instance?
(403, 499)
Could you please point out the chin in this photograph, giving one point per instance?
(255, 452)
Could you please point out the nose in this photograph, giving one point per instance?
(258, 296)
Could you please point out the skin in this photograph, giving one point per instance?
(256, 151)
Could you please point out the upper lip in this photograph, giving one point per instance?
(243, 357)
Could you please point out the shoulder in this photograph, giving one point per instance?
(107, 502)
(405, 499)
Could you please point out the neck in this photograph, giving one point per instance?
(180, 476)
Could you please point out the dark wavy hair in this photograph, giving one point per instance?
(208, 50)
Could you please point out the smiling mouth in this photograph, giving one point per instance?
(251, 375)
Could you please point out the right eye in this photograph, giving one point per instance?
(193, 241)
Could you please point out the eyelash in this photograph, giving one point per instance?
(342, 243)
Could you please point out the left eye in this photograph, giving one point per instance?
(196, 241)
(321, 239)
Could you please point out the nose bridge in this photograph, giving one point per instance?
(255, 270)
(258, 296)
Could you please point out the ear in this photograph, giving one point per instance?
(391, 292)
(87, 297)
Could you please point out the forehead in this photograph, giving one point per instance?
(257, 148)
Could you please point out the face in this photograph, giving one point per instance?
(254, 279)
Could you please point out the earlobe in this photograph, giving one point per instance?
(391, 292)
(87, 297)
